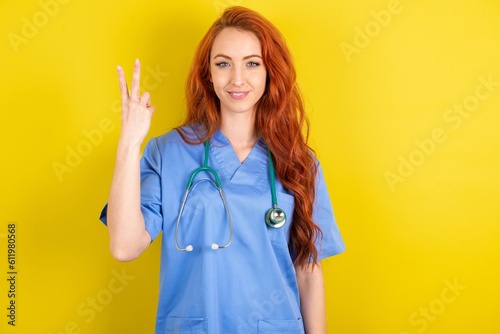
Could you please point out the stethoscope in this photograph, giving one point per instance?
(275, 217)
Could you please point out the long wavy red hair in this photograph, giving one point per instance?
(280, 119)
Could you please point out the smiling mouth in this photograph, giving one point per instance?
(238, 95)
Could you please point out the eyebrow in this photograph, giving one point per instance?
(227, 57)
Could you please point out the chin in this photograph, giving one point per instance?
(240, 108)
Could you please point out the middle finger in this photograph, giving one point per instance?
(136, 78)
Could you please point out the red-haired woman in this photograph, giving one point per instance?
(240, 199)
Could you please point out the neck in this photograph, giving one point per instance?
(240, 130)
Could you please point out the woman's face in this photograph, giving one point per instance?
(237, 71)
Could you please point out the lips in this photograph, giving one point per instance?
(238, 95)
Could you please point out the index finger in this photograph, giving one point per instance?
(122, 83)
(136, 80)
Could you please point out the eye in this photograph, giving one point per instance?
(253, 64)
(222, 64)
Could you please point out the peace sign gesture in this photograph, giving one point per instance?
(136, 109)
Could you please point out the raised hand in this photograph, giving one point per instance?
(136, 109)
(126, 227)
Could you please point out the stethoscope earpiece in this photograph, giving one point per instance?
(275, 217)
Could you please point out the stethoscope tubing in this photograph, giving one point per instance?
(189, 248)
(274, 217)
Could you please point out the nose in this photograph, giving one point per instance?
(238, 76)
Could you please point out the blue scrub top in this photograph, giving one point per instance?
(249, 287)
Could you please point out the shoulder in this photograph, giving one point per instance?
(172, 143)
(171, 137)
(180, 135)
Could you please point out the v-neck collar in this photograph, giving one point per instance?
(247, 172)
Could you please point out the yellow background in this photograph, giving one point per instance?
(379, 78)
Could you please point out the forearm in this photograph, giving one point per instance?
(128, 235)
(312, 298)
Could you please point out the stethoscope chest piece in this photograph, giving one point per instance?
(275, 217)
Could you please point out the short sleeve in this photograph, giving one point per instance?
(151, 208)
(331, 242)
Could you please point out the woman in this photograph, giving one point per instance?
(226, 265)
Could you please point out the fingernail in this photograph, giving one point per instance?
(137, 61)
(118, 68)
